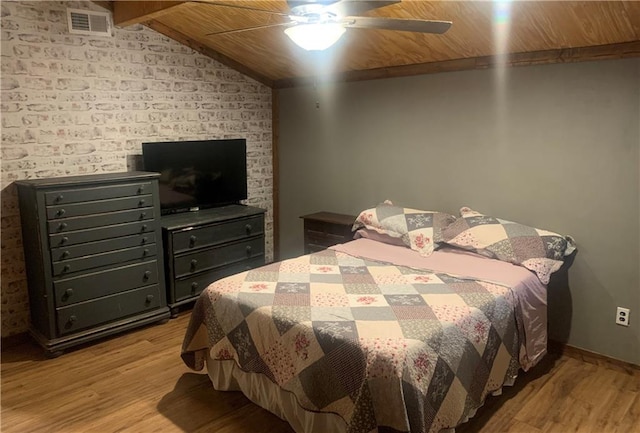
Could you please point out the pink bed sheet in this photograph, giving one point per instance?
(530, 292)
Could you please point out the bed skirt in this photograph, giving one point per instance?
(226, 376)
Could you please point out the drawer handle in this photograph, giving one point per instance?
(248, 249)
(60, 212)
(194, 287)
(192, 240)
(140, 189)
(141, 202)
(64, 240)
(146, 275)
(194, 263)
(72, 320)
(248, 228)
(149, 299)
(143, 215)
(144, 240)
(67, 294)
(59, 198)
(62, 226)
(66, 268)
(65, 254)
(143, 228)
(145, 252)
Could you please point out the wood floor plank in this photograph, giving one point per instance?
(246, 419)
(631, 419)
(136, 383)
(544, 404)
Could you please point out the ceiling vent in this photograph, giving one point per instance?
(89, 22)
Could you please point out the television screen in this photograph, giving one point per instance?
(198, 174)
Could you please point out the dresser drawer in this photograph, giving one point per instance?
(108, 309)
(217, 233)
(98, 206)
(77, 223)
(333, 238)
(192, 286)
(66, 267)
(321, 227)
(64, 196)
(80, 250)
(97, 284)
(216, 257)
(145, 228)
(319, 235)
(322, 240)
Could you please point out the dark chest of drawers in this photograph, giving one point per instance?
(204, 246)
(324, 229)
(93, 256)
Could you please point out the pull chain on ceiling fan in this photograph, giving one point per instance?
(318, 24)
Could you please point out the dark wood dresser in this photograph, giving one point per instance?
(93, 256)
(204, 246)
(324, 229)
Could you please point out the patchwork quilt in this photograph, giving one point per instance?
(388, 348)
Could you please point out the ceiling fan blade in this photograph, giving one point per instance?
(398, 24)
(347, 8)
(246, 29)
(235, 6)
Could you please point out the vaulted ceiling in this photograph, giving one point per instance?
(483, 33)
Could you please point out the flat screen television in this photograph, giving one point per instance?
(198, 174)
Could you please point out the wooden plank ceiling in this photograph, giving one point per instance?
(527, 31)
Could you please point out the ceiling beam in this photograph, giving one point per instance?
(202, 49)
(127, 13)
(563, 55)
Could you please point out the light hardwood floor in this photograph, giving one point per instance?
(136, 382)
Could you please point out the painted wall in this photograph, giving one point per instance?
(82, 104)
(555, 147)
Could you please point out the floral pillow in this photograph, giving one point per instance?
(418, 229)
(538, 250)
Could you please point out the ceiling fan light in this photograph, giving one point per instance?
(319, 36)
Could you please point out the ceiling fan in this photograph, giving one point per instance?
(318, 24)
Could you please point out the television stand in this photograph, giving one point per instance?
(204, 246)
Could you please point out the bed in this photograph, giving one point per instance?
(372, 335)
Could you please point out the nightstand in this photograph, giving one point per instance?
(324, 229)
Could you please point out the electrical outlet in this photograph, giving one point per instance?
(622, 316)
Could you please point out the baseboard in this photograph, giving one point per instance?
(14, 340)
(592, 357)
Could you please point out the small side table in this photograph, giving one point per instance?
(324, 229)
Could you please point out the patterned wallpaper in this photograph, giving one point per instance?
(75, 104)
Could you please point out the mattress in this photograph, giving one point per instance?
(368, 336)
